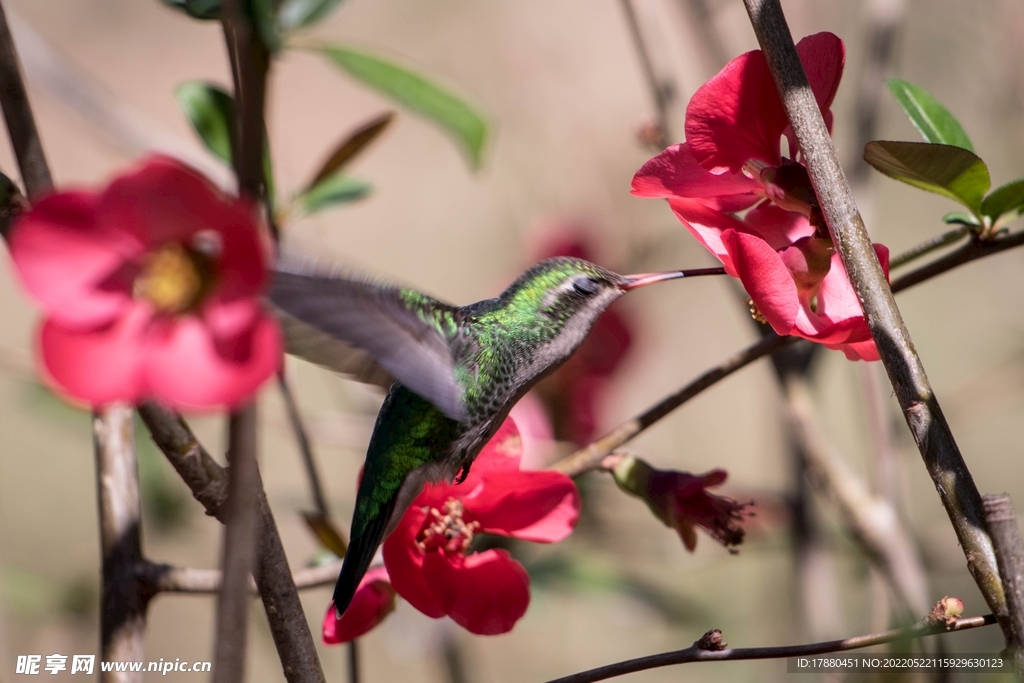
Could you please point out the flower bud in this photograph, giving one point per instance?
(680, 500)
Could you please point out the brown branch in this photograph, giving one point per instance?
(872, 520)
(124, 598)
(930, 430)
(21, 125)
(1002, 525)
(239, 541)
(208, 482)
(696, 653)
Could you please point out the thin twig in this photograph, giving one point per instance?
(352, 650)
(661, 89)
(590, 457)
(872, 520)
(305, 447)
(166, 578)
(125, 598)
(931, 432)
(21, 125)
(1002, 525)
(208, 482)
(698, 654)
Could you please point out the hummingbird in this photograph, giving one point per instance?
(452, 372)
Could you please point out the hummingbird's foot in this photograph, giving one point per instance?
(463, 473)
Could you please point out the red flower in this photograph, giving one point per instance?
(681, 501)
(485, 592)
(735, 125)
(373, 601)
(573, 392)
(150, 289)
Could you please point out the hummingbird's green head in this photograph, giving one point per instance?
(564, 296)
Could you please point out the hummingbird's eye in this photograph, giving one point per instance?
(585, 286)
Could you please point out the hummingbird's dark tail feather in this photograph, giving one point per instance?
(360, 553)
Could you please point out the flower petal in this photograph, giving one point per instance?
(541, 506)
(97, 366)
(823, 56)
(707, 225)
(736, 116)
(501, 453)
(675, 173)
(66, 260)
(404, 561)
(778, 227)
(187, 368)
(487, 595)
(765, 278)
(373, 601)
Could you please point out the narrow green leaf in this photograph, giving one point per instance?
(960, 218)
(1004, 199)
(933, 120)
(352, 145)
(954, 172)
(335, 189)
(263, 16)
(298, 13)
(211, 111)
(197, 9)
(417, 94)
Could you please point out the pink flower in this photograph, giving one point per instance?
(428, 556)
(574, 391)
(735, 125)
(681, 501)
(150, 288)
(373, 601)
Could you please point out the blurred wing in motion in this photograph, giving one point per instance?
(372, 332)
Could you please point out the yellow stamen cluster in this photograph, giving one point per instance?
(174, 278)
(449, 526)
(755, 312)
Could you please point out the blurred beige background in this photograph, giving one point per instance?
(560, 81)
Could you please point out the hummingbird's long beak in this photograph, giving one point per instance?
(629, 282)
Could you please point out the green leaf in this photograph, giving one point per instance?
(933, 120)
(197, 9)
(417, 94)
(335, 189)
(262, 15)
(960, 218)
(954, 172)
(211, 111)
(1004, 199)
(298, 13)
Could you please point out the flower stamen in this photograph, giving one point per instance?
(448, 531)
(174, 278)
(755, 312)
